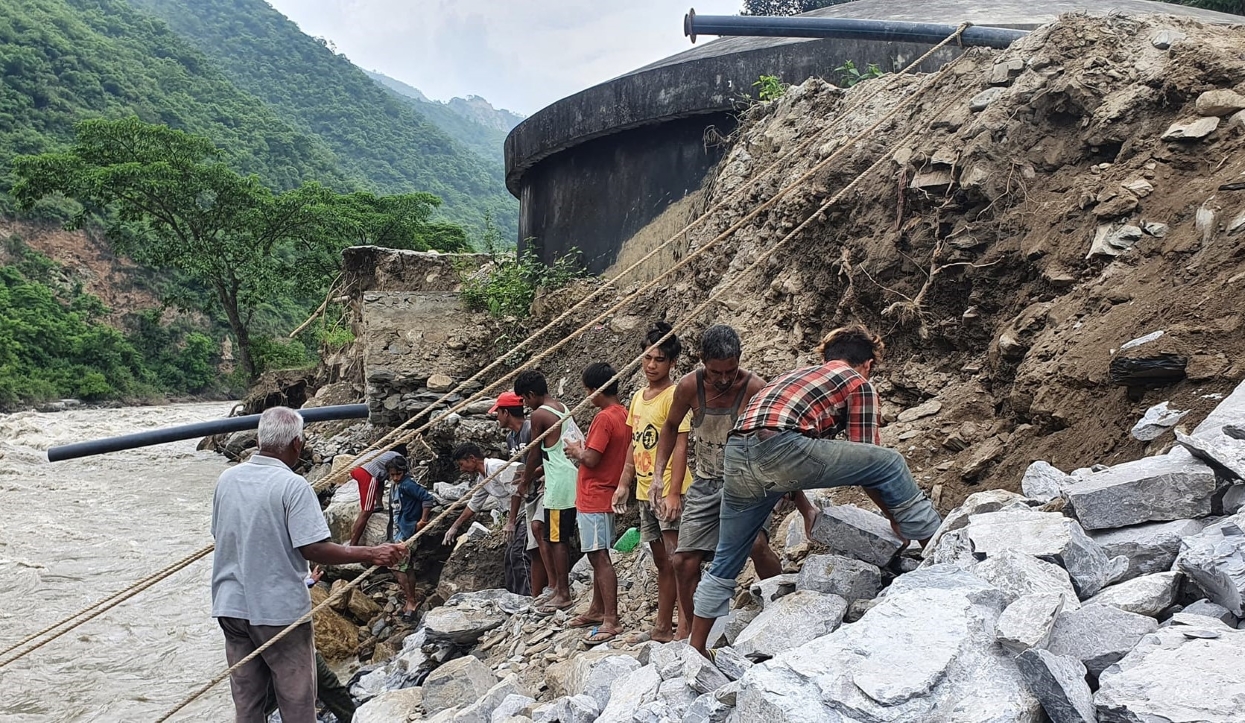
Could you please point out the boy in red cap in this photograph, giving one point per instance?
(512, 418)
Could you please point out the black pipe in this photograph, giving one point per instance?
(845, 28)
(190, 431)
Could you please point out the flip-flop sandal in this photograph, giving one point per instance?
(582, 621)
(409, 618)
(598, 636)
(637, 638)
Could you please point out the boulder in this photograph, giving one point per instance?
(1146, 595)
(1098, 635)
(1058, 681)
(1206, 608)
(983, 99)
(395, 706)
(978, 503)
(1152, 489)
(1149, 547)
(670, 658)
(630, 692)
(574, 709)
(702, 675)
(361, 606)
(1049, 536)
(1216, 563)
(1223, 454)
(459, 682)
(657, 711)
(1191, 130)
(1196, 621)
(512, 706)
(481, 711)
(461, 625)
(1219, 103)
(952, 548)
(1027, 623)
(677, 695)
(790, 622)
(846, 577)
(731, 662)
(728, 627)
(707, 709)
(925, 652)
(771, 588)
(1230, 413)
(591, 673)
(1044, 482)
(853, 532)
(336, 637)
(1156, 421)
(406, 669)
(1018, 575)
(1177, 674)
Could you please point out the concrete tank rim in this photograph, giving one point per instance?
(524, 147)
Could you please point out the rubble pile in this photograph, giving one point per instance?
(1054, 257)
(1018, 611)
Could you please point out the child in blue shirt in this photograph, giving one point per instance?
(410, 506)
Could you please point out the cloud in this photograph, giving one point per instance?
(519, 54)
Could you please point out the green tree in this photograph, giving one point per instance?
(785, 7)
(168, 201)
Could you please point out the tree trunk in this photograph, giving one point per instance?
(240, 332)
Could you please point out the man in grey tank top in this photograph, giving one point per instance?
(715, 394)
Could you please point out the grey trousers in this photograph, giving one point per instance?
(289, 666)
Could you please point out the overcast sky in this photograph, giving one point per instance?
(519, 54)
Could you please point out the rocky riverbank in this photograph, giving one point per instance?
(1110, 594)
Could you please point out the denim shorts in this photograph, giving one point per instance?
(596, 530)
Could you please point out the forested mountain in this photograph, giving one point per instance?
(375, 135)
(472, 121)
(65, 60)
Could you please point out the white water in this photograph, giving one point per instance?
(74, 532)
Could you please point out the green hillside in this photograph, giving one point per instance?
(65, 60)
(375, 135)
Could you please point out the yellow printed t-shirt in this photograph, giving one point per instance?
(646, 419)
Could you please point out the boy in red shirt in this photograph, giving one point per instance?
(601, 459)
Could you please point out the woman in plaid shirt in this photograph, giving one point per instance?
(785, 441)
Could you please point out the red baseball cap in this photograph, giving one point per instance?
(507, 399)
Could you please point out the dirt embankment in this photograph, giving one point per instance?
(86, 257)
(973, 250)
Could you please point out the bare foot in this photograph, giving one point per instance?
(661, 636)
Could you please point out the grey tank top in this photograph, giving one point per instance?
(711, 427)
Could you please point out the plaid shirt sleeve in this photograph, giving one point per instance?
(863, 415)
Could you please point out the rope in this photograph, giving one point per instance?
(389, 437)
(104, 605)
(388, 442)
(631, 366)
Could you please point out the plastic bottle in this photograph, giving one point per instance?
(628, 541)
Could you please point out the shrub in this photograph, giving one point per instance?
(511, 285)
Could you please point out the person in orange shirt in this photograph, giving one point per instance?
(649, 408)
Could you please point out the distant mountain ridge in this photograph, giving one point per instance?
(377, 134)
(472, 121)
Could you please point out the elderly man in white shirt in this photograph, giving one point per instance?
(267, 524)
(504, 489)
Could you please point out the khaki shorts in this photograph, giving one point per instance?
(702, 505)
(534, 511)
(651, 526)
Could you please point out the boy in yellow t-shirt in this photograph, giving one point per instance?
(649, 408)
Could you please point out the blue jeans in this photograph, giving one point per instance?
(759, 472)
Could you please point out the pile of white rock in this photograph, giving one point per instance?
(1109, 595)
